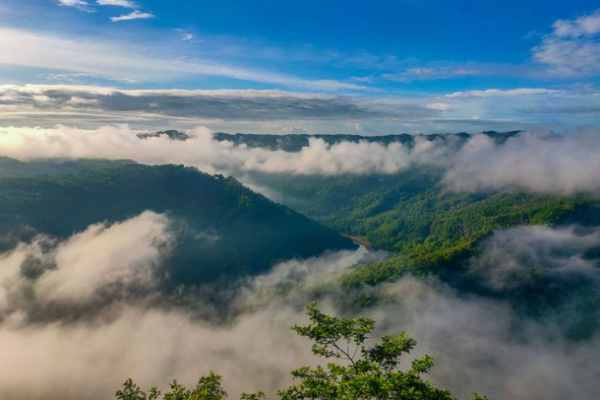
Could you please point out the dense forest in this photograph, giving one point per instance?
(296, 142)
(222, 227)
(415, 216)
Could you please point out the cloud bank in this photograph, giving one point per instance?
(82, 102)
(92, 266)
(536, 161)
(479, 343)
(245, 105)
(52, 348)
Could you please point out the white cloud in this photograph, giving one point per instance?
(154, 345)
(79, 4)
(504, 93)
(438, 106)
(572, 49)
(207, 154)
(537, 161)
(81, 102)
(207, 104)
(123, 256)
(432, 73)
(72, 3)
(132, 338)
(525, 254)
(582, 26)
(293, 130)
(117, 3)
(124, 253)
(134, 15)
(99, 57)
(267, 111)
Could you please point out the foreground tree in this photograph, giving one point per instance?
(359, 372)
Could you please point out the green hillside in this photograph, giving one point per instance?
(250, 232)
(296, 142)
(416, 217)
(412, 214)
(11, 168)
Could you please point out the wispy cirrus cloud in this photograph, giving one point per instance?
(132, 16)
(78, 4)
(432, 73)
(187, 37)
(86, 6)
(117, 3)
(123, 60)
(505, 93)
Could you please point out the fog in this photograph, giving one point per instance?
(481, 343)
(536, 161)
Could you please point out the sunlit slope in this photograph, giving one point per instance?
(416, 216)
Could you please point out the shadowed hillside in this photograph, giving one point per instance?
(221, 227)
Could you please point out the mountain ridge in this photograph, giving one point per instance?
(254, 232)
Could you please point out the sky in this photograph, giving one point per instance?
(301, 66)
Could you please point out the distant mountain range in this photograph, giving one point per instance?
(295, 142)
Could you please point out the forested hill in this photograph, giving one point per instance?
(411, 213)
(248, 233)
(414, 215)
(11, 168)
(295, 142)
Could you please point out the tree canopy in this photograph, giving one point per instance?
(357, 371)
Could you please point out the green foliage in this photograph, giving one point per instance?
(415, 216)
(11, 168)
(208, 388)
(222, 228)
(359, 373)
(131, 391)
(326, 331)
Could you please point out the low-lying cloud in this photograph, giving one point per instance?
(125, 253)
(92, 266)
(527, 254)
(536, 161)
(51, 353)
(480, 344)
(210, 155)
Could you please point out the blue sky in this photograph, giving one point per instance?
(446, 64)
